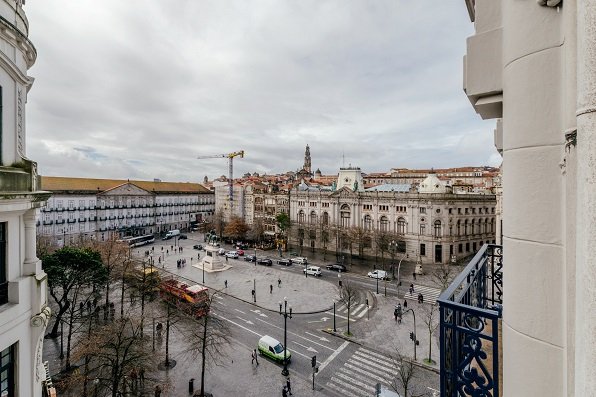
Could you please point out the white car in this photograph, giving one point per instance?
(299, 260)
(232, 254)
(313, 271)
(380, 274)
(221, 251)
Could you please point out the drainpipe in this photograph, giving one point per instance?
(585, 353)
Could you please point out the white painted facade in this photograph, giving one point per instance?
(24, 313)
(123, 209)
(532, 66)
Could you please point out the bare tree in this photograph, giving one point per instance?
(114, 256)
(236, 228)
(348, 294)
(429, 313)
(208, 340)
(325, 238)
(443, 275)
(46, 245)
(117, 350)
(407, 372)
(257, 230)
(382, 240)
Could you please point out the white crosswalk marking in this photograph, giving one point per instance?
(357, 311)
(429, 294)
(361, 372)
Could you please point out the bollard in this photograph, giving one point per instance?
(191, 385)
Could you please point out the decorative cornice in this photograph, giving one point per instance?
(41, 319)
(549, 3)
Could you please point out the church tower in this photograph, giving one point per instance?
(307, 164)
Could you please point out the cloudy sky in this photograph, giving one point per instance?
(139, 88)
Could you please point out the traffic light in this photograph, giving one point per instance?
(313, 361)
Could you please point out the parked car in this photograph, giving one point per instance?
(380, 274)
(250, 258)
(312, 270)
(265, 261)
(241, 246)
(299, 260)
(221, 251)
(240, 252)
(198, 247)
(182, 237)
(284, 261)
(337, 267)
(232, 254)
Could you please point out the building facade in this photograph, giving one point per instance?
(24, 313)
(81, 208)
(532, 66)
(429, 224)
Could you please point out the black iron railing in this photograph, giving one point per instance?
(470, 309)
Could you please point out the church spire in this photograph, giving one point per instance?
(307, 164)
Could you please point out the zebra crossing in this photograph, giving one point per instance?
(361, 372)
(356, 312)
(429, 294)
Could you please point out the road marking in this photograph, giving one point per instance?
(238, 325)
(364, 372)
(363, 365)
(354, 381)
(310, 349)
(371, 364)
(333, 355)
(349, 386)
(340, 316)
(384, 361)
(295, 334)
(257, 311)
(321, 338)
(246, 321)
(238, 310)
(343, 392)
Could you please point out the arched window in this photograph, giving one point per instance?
(345, 215)
(486, 225)
(466, 227)
(473, 226)
(459, 227)
(437, 228)
(301, 217)
(401, 226)
(325, 218)
(367, 222)
(384, 224)
(313, 218)
(492, 225)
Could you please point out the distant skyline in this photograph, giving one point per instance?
(138, 89)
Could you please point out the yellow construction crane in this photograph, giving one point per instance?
(230, 157)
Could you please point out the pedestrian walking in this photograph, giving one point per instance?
(226, 259)
(284, 392)
(157, 391)
(255, 357)
(278, 282)
(89, 306)
(420, 298)
(226, 283)
(395, 313)
(405, 304)
(411, 289)
(289, 386)
(270, 288)
(414, 275)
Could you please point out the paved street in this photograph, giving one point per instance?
(347, 367)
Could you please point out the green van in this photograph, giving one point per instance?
(273, 349)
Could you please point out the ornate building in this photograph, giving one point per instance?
(24, 313)
(100, 208)
(430, 224)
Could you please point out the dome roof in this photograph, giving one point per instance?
(432, 184)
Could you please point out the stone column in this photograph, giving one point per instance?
(585, 337)
(31, 264)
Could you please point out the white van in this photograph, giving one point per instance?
(313, 271)
(173, 233)
(273, 349)
(299, 260)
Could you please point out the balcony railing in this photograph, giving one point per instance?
(470, 311)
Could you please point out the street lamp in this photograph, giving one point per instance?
(413, 334)
(285, 313)
(392, 249)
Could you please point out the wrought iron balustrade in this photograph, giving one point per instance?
(470, 310)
